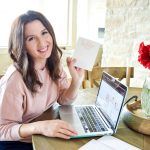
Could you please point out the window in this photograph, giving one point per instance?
(91, 19)
(58, 13)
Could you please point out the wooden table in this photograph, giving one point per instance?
(87, 96)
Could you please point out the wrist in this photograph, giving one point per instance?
(76, 82)
(75, 85)
(29, 129)
(36, 127)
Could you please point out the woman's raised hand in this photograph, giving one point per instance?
(77, 74)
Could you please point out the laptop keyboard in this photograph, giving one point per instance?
(90, 119)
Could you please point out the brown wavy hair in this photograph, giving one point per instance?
(22, 60)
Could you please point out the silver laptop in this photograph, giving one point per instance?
(99, 119)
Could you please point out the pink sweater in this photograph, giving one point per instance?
(19, 106)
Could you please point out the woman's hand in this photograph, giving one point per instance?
(56, 128)
(76, 73)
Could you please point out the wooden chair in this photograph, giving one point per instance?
(95, 75)
(120, 73)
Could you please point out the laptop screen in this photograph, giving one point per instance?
(110, 98)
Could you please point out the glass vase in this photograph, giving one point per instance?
(145, 97)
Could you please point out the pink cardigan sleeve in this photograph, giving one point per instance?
(11, 111)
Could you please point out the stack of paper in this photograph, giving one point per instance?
(108, 143)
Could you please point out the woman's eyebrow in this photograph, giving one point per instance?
(44, 29)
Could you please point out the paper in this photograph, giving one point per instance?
(94, 145)
(116, 143)
(108, 143)
(89, 145)
(85, 53)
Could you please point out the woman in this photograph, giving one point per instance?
(36, 83)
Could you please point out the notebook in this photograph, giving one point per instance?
(102, 117)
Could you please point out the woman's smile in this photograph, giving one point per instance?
(44, 49)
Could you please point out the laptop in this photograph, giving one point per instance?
(102, 117)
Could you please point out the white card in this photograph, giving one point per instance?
(85, 53)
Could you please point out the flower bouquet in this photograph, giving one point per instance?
(144, 59)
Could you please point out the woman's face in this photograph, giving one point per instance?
(38, 41)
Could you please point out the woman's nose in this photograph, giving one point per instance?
(41, 42)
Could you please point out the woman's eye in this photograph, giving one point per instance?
(31, 38)
(44, 32)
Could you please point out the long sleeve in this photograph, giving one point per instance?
(20, 106)
(11, 111)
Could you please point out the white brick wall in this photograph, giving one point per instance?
(127, 25)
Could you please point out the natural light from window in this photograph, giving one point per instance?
(55, 10)
(91, 19)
